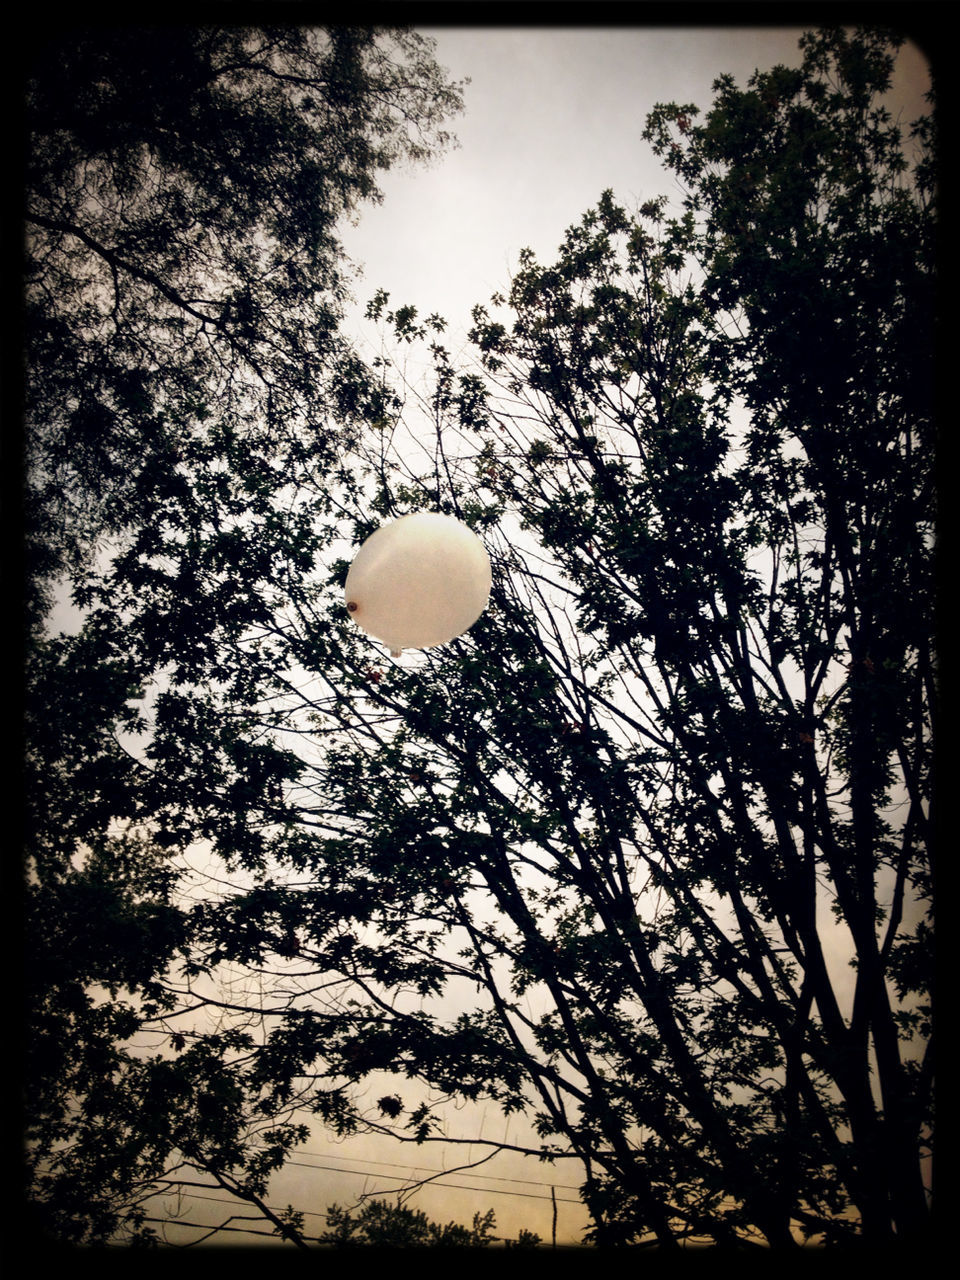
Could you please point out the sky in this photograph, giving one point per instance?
(552, 118)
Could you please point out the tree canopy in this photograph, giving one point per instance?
(594, 862)
(185, 280)
(185, 373)
(382, 1225)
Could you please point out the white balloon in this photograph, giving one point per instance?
(418, 581)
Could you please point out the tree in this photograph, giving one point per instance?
(683, 757)
(379, 1223)
(185, 282)
(184, 292)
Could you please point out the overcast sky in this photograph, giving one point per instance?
(553, 117)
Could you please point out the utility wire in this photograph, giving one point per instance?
(420, 1168)
(365, 1173)
(313, 1213)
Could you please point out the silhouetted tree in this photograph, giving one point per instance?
(381, 1224)
(185, 370)
(634, 825)
(185, 281)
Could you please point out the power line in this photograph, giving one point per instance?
(418, 1168)
(195, 1195)
(460, 1186)
(314, 1213)
(438, 1179)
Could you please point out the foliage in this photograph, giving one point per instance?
(185, 282)
(185, 373)
(603, 861)
(395, 1226)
